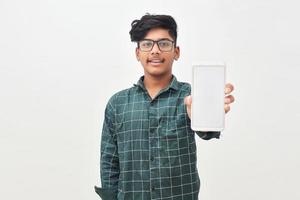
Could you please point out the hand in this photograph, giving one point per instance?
(228, 100)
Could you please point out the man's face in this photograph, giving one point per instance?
(157, 62)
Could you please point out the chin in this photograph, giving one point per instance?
(157, 73)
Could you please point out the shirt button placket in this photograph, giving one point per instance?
(153, 148)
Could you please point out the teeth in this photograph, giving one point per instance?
(156, 61)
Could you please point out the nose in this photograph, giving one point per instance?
(155, 49)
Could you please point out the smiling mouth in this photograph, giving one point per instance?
(155, 61)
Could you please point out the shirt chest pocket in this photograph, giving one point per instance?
(176, 127)
(176, 132)
(176, 140)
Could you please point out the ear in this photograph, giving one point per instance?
(177, 53)
(137, 54)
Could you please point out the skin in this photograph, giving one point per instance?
(158, 69)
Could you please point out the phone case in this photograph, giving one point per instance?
(208, 84)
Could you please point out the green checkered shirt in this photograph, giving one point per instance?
(148, 148)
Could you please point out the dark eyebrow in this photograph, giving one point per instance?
(158, 39)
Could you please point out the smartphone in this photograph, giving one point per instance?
(208, 85)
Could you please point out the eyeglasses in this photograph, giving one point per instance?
(163, 44)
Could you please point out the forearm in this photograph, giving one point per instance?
(110, 171)
(109, 160)
(109, 168)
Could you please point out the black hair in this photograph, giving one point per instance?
(140, 27)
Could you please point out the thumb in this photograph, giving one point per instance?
(188, 100)
(188, 103)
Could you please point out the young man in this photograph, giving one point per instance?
(148, 148)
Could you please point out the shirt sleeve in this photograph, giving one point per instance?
(109, 160)
(208, 135)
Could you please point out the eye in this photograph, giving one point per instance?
(165, 43)
(146, 44)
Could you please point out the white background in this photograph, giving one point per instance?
(60, 61)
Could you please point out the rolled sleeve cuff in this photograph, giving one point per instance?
(106, 193)
(208, 135)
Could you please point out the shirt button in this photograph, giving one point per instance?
(152, 188)
(152, 158)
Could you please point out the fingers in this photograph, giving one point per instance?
(228, 88)
(226, 108)
(229, 99)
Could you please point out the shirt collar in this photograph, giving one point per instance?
(173, 84)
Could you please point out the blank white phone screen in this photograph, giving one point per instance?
(208, 97)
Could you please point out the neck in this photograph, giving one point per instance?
(155, 84)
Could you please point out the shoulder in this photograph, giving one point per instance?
(121, 96)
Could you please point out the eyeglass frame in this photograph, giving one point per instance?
(156, 42)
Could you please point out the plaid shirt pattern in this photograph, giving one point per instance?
(148, 148)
